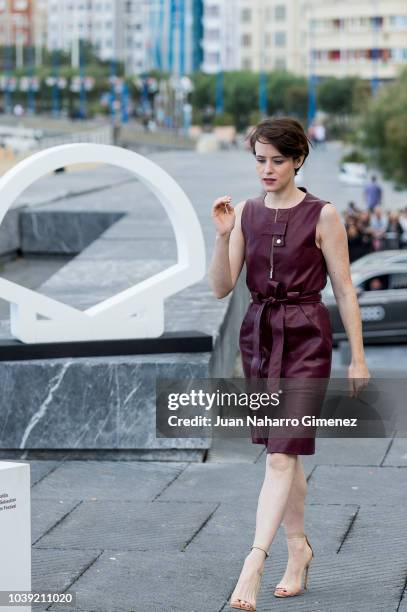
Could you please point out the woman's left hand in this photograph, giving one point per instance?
(358, 375)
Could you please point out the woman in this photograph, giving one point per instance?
(289, 240)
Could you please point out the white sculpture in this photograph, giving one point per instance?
(136, 312)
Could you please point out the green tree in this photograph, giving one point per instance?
(204, 90)
(241, 96)
(335, 96)
(286, 94)
(385, 129)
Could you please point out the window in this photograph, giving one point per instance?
(376, 22)
(212, 35)
(247, 63)
(399, 55)
(246, 15)
(267, 40)
(280, 39)
(213, 57)
(398, 281)
(212, 10)
(376, 283)
(279, 12)
(246, 40)
(280, 63)
(20, 5)
(398, 21)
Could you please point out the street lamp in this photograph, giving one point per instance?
(312, 78)
(375, 46)
(262, 76)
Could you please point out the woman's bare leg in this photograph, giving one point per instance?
(293, 522)
(279, 475)
(293, 519)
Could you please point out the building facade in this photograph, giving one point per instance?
(16, 17)
(175, 32)
(144, 34)
(251, 35)
(367, 38)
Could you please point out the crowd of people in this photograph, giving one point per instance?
(373, 229)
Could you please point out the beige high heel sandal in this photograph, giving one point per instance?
(282, 591)
(238, 603)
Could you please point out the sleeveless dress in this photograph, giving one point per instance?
(286, 331)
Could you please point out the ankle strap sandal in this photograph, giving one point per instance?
(265, 552)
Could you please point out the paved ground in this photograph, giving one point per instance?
(158, 537)
(168, 536)
(162, 536)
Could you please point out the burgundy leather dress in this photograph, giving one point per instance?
(286, 331)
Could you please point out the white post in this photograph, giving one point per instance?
(15, 530)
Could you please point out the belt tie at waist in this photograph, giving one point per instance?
(276, 304)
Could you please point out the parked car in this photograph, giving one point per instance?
(382, 296)
(380, 257)
(353, 173)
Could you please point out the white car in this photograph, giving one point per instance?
(353, 173)
(380, 258)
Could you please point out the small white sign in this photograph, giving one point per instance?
(15, 530)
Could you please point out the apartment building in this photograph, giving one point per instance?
(251, 35)
(367, 38)
(16, 22)
(320, 37)
(145, 34)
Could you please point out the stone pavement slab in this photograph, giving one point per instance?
(132, 250)
(403, 603)
(359, 582)
(130, 525)
(397, 455)
(134, 228)
(179, 581)
(45, 514)
(356, 485)
(378, 528)
(216, 482)
(351, 451)
(41, 468)
(234, 450)
(56, 570)
(329, 451)
(56, 186)
(232, 527)
(127, 581)
(127, 480)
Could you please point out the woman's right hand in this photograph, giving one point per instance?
(223, 215)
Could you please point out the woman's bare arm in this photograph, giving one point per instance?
(334, 245)
(228, 256)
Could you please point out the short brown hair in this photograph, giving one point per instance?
(284, 133)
